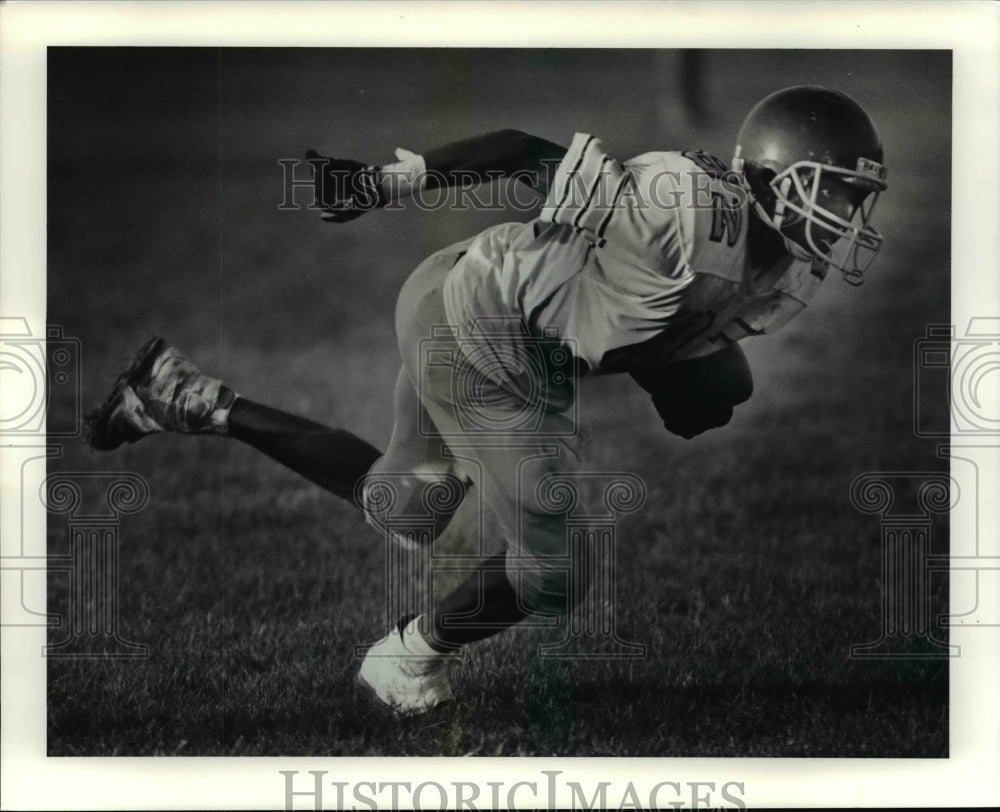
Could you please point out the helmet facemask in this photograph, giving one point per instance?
(849, 245)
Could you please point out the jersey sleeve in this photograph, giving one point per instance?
(585, 187)
(622, 205)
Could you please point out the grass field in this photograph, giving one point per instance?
(748, 575)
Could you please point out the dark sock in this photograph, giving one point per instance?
(483, 605)
(334, 459)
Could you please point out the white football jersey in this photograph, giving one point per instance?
(622, 254)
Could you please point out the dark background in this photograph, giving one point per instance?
(748, 575)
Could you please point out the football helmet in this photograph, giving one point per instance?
(810, 160)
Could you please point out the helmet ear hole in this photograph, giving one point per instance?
(762, 189)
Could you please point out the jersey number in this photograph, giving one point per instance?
(706, 162)
(727, 220)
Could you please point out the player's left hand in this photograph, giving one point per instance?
(345, 189)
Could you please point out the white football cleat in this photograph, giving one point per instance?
(404, 673)
(159, 391)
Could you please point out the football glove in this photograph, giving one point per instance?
(345, 189)
(697, 394)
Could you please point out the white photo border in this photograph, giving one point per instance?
(33, 781)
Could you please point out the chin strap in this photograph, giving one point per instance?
(779, 206)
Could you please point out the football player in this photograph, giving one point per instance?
(655, 268)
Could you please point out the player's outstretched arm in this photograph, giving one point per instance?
(347, 189)
(504, 153)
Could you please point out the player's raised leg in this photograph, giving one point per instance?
(334, 459)
(162, 391)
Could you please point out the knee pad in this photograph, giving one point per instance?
(377, 500)
(411, 509)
